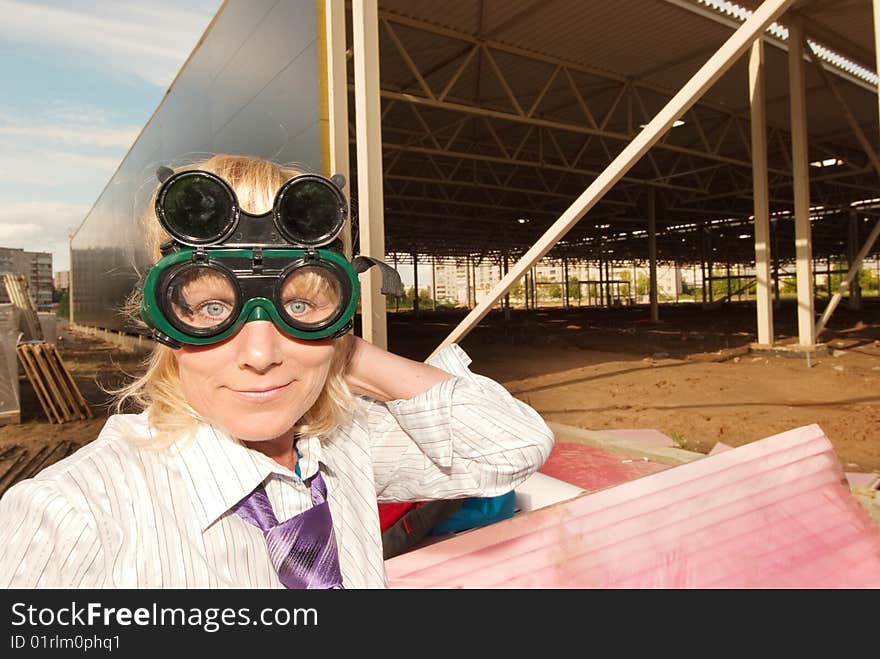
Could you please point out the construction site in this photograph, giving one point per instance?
(654, 219)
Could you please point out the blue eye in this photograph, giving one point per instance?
(214, 309)
(298, 307)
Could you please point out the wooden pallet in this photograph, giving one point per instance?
(17, 288)
(12, 417)
(57, 392)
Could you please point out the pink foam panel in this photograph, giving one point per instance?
(776, 513)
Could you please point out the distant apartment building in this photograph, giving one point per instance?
(62, 280)
(450, 282)
(456, 280)
(36, 266)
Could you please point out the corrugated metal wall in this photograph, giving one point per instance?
(250, 87)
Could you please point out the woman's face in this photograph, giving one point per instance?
(256, 384)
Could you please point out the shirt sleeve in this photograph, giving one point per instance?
(466, 436)
(45, 542)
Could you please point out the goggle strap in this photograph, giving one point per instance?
(164, 173)
(164, 339)
(345, 329)
(391, 284)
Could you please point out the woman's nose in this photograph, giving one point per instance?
(259, 346)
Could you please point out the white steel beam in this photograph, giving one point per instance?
(365, 23)
(702, 80)
(800, 164)
(761, 192)
(336, 160)
(852, 274)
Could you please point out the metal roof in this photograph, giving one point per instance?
(496, 111)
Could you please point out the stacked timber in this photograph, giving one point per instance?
(56, 390)
(58, 394)
(17, 288)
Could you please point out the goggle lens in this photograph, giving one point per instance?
(197, 208)
(202, 299)
(310, 211)
(311, 295)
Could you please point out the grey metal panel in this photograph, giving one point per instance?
(10, 321)
(291, 131)
(250, 87)
(278, 40)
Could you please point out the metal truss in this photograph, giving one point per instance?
(479, 135)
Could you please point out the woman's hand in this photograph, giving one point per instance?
(382, 375)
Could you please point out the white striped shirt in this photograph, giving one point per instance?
(119, 513)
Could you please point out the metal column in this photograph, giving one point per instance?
(719, 63)
(565, 285)
(652, 254)
(852, 246)
(415, 259)
(800, 165)
(334, 120)
(371, 206)
(433, 282)
(761, 192)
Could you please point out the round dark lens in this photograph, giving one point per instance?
(200, 299)
(197, 209)
(311, 296)
(311, 212)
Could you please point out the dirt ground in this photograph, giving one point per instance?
(692, 376)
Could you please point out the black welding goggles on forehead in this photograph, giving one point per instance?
(225, 267)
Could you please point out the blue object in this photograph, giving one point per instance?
(476, 512)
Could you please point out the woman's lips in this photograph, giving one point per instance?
(260, 395)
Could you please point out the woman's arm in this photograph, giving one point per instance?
(443, 431)
(384, 376)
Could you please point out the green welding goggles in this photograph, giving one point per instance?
(225, 267)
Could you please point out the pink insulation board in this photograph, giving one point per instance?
(775, 513)
(593, 468)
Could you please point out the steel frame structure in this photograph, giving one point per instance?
(468, 166)
(492, 151)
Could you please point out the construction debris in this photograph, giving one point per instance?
(17, 288)
(775, 513)
(55, 388)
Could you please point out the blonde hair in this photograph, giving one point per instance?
(255, 183)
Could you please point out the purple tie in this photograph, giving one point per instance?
(303, 549)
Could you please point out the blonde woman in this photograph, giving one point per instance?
(268, 431)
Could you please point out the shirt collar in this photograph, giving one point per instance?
(222, 470)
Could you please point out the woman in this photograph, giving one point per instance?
(259, 407)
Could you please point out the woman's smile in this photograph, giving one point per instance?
(260, 394)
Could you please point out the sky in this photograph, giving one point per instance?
(80, 78)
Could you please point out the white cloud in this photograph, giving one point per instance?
(78, 134)
(67, 145)
(51, 168)
(41, 226)
(150, 40)
(103, 166)
(27, 217)
(11, 233)
(63, 111)
(52, 160)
